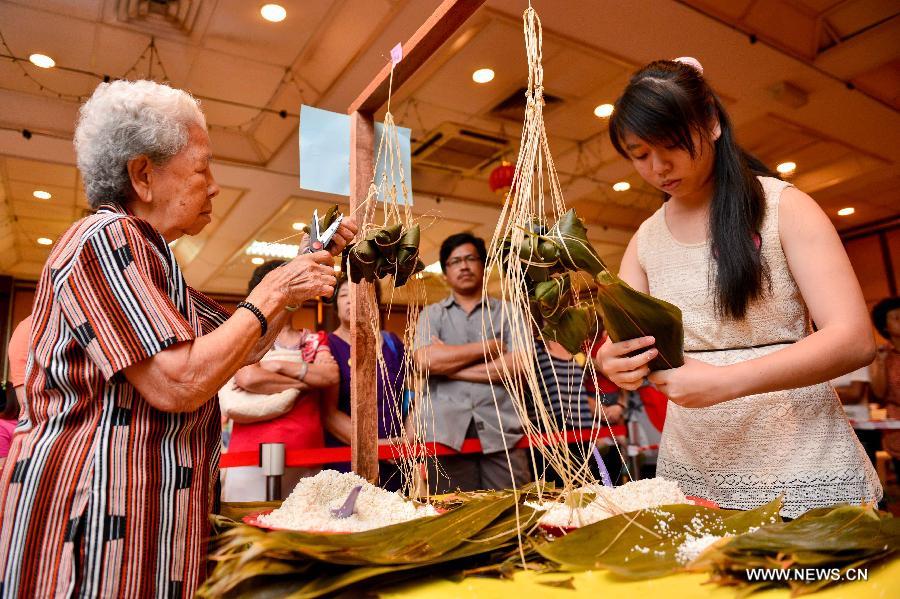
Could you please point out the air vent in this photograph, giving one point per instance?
(459, 148)
(177, 15)
(513, 107)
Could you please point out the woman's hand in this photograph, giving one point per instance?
(626, 372)
(345, 233)
(343, 236)
(305, 277)
(613, 414)
(695, 385)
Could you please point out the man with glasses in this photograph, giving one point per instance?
(462, 365)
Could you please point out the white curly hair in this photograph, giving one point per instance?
(125, 119)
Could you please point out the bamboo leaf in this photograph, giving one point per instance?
(571, 327)
(253, 562)
(841, 537)
(569, 235)
(625, 545)
(629, 314)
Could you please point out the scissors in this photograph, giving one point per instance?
(319, 239)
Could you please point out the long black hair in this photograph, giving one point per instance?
(664, 104)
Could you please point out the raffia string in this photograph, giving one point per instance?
(535, 198)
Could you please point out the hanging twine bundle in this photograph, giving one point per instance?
(389, 251)
(532, 248)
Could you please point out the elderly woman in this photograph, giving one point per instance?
(108, 492)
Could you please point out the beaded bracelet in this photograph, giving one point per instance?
(263, 323)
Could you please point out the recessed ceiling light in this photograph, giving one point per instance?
(846, 211)
(785, 168)
(42, 60)
(298, 226)
(257, 260)
(45, 241)
(603, 111)
(621, 186)
(41, 194)
(274, 13)
(483, 75)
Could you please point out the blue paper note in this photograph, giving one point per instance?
(325, 153)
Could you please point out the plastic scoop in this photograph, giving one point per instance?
(349, 507)
(604, 473)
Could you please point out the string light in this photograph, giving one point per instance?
(153, 61)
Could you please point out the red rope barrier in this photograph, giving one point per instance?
(304, 458)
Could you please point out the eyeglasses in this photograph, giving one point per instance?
(470, 259)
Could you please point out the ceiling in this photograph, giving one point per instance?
(787, 93)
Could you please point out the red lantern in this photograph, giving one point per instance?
(501, 178)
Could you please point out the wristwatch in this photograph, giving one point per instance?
(608, 400)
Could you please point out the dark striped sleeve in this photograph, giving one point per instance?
(211, 312)
(117, 298)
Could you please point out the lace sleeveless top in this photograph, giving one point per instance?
(744, 452)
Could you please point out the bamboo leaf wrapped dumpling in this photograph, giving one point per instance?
(571, 327)
(385, 251)
(629, 314)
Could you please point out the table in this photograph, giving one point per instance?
(875, 425)
(884, 582)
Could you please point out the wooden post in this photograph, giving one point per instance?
(363, 389)
(436, 30)
(427, 39)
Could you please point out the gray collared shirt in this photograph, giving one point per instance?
(456, 403)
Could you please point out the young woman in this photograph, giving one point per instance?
(751, 261)
(336, 399)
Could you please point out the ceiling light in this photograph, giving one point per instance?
(603, 111)
(257, 260)
(274, 13)
(434, 267)
(42, 60)
(41, 194)
(786, 168)
(45, 241)
(621, 186)
(846, 211)
(337, 267)
(298, 226)
(273, 250)
(483, 75)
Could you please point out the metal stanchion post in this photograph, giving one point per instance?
(633, 451)
(271, 460)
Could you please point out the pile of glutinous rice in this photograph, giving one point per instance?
(308, 508)
(611, 501)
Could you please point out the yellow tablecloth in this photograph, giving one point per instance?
(883, 582)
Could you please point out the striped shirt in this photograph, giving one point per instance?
(104, 495)
(563, 391)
